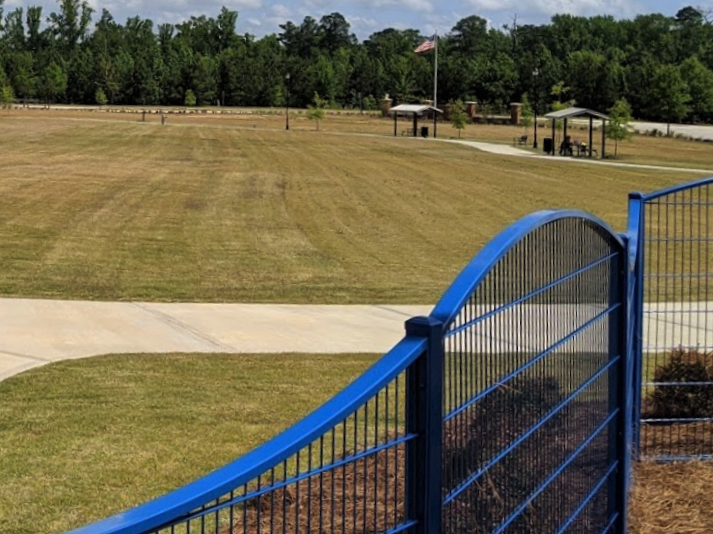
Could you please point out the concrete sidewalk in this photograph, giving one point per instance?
(35, 332)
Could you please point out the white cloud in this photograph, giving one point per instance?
(551, 7)
(280, 10)
(362, 22)
(255, 22)
(418, 6)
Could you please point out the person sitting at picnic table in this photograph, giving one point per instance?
(566, 146)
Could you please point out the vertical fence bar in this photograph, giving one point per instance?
(635, 238)
(621, 381)
(425, 419)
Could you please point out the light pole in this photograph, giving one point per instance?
(287, 101)
(535, 75)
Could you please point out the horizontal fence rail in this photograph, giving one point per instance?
(534, 426)
(675, 395)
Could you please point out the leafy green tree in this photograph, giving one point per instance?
(459, 118)
(190, 99)
(71, 24)
(669, 95)
(559, 90)
(6, 97)
(100, 97)
(315, 111)
(53, 83)
(617, 129)
(699, 80)
(22, 75)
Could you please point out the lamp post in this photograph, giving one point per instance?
(535, 75)
(287, 101)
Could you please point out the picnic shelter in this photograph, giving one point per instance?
(415, 111)
(567, 147)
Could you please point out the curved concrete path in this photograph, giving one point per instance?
(36, 332)
(507, 150)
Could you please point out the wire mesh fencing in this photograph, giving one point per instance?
(676, 350)
(533, 418)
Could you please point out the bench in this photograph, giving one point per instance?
(522, 140)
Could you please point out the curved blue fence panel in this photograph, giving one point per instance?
(674, 228)
(342, 467)
(534, 426)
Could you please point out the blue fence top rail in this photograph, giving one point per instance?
(156, 513)
(673, 189)
(450, 305)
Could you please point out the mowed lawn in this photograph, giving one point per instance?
(640, 149)
(113, 210)
(82, 439)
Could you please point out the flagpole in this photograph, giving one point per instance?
(435, 90)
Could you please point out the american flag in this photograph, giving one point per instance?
(428, 44)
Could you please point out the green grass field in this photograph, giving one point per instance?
(83, 439)
(198, 211)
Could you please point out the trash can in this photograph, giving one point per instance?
(547, 145)
(424, 131)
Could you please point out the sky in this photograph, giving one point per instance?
(261, 17)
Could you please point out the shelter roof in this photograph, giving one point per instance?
(575, 112)
(413, 108)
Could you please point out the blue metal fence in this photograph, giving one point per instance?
(504, 411)
(674, 395)
(535, 344)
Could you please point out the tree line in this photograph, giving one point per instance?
(661, 65)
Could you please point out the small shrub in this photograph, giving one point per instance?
(687, 401)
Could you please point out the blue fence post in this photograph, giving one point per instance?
(424, 418)
(635, 234)
(617, 391)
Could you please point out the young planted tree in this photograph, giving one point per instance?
(459, 118)
(315, 112)
(190, 100)
(6, 97)
(618, 130)
(100, 97)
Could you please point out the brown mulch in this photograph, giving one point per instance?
(676, 439)
(674, 498)
(364, 496)
(367, 496)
